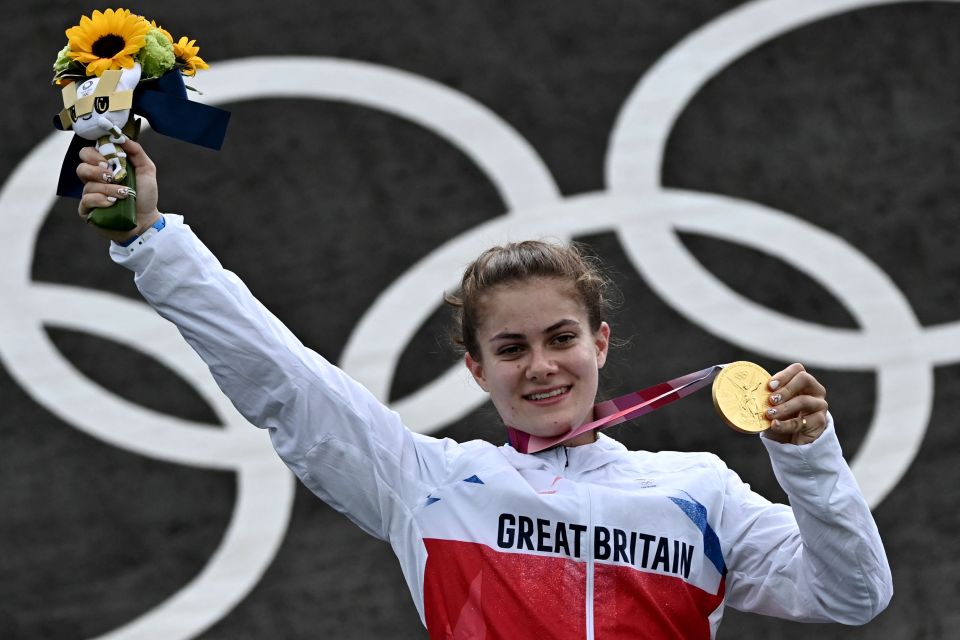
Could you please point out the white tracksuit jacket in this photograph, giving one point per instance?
(585, 542)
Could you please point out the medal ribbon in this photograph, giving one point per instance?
(618, 410)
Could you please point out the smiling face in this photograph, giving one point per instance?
(539, 359)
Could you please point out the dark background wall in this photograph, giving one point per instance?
(850, 123)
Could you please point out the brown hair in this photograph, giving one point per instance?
(518, 261)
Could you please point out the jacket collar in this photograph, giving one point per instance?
(583, 458)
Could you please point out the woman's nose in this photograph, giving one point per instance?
(541, 365)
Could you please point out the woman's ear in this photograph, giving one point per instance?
(602, 341)
(476, 369)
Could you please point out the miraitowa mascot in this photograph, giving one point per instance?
(98, 109)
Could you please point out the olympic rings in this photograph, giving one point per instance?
(890, 340)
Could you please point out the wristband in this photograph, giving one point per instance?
(154, 229)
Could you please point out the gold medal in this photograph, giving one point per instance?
(740, 396)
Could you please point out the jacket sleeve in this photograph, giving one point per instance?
(820, 559)
(336, 437)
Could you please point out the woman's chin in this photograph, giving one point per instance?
(546, 431)
(552, 424)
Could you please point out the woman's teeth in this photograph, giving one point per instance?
(548, 394)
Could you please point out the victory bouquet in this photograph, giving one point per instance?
(117, 65)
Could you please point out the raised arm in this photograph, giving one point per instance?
(821, 558)
(338, 439)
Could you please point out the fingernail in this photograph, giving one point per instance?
(122, 192)
(774, 424)
(107, 177)
(774, 384)
(111, 199)
(776, 398)
(771, 412)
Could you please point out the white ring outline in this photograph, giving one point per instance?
(888, 444)
(257, 526)
(634, 165)
(247, 547)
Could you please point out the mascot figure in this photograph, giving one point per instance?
(98, 109)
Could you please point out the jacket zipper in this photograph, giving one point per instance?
(588, 596)
(590, 554)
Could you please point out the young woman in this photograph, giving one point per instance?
(585, 540)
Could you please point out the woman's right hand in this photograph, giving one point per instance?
(98, 188)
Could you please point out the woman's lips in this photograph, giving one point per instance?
(548, 395)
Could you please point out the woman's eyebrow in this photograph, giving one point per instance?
(559, 325)
(506, 335)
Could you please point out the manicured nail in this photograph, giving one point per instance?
(111, 199)
(774, 384)
(776, 398)
(107, 177)
(771, 412)
(122, 192)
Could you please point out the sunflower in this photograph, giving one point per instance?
(107, 40)
(186, 52)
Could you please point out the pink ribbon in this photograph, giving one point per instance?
(618, 410)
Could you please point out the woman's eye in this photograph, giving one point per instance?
(564, 338)
(509, 350)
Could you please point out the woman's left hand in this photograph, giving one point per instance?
(798, 406)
